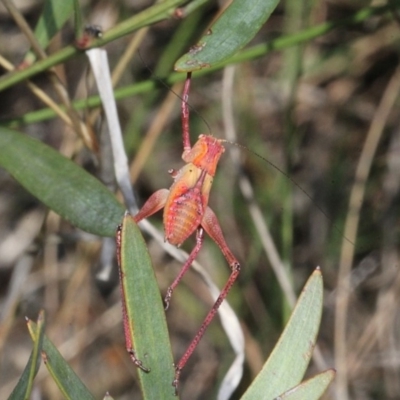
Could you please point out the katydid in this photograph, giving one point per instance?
(186, 211)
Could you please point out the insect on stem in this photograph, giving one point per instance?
(186, 211)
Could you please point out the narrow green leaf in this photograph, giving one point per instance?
(55, 14)
(66, 379)
(146, 315)
(60, 184)
(21, 389)
(238, 24)
(312, 389)
(24, 386)
(37, 348)
(288, 361)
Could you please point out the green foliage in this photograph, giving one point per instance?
(67, 381)
(238, 24)
(24, 387)
(287, 364)
(146, 314)
(60, 184)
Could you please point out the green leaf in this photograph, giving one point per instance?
(59, 183)
(146, 316)
(24, 386)
(66, 379)
(238, 24)
(312, 389)
(288, 361)
(21, 389)
(55, 14)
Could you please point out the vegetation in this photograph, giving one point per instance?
(313, 91)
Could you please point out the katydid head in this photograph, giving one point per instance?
(205, 153)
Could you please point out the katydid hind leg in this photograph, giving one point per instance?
(210, 316)
(153, 204)
(188, 263)
(212, 227)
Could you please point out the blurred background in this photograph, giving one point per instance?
(324, 113)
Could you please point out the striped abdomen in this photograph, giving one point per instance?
(186, 203)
